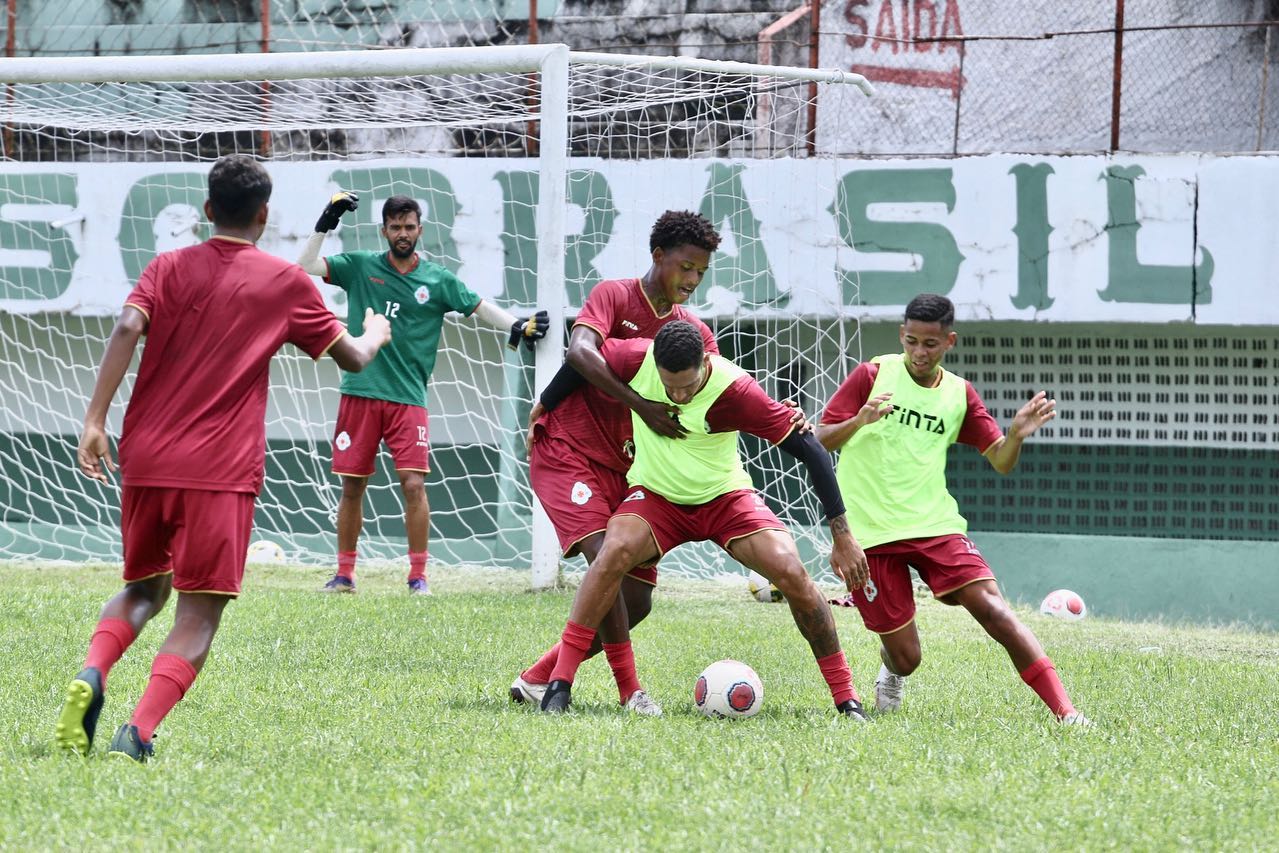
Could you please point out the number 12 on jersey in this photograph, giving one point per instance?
(392, 309)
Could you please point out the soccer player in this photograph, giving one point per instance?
(696, 489)
(580, 451)
(893, 420)
(193, 445)
(388, 401)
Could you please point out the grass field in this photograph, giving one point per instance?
(381, 720)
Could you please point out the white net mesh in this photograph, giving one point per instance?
(98, 178)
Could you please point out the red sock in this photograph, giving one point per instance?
(540, 672)
(1042, 678)
(171, 677)
(575, 646)
(107, 645)
(417, 565)
(621, 658)
(838, 677)
(346, 565)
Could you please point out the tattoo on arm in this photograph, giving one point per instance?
(839, 525)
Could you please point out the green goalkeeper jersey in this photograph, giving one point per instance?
(415, 304)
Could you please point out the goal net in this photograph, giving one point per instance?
(539, 173)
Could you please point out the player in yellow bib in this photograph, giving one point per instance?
(695, 488)
(893, 421)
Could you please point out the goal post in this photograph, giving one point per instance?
(540, 171)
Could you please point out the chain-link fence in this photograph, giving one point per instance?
(953, 76)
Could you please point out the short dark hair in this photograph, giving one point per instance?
(238, 187)
(678, 346)
(676, 228)
(398, 205)
(931, 308)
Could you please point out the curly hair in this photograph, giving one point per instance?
(931, 308)
(676, 228)
(678, 346)
(238, 187)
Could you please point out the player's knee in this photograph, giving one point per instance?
(154, 591)
(353, 488)
(619, 557)
(906, 661)
(790, 577)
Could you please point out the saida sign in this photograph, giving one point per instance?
(1142, 239)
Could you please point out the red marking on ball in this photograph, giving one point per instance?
(1075, 605)
(741, 696)
(699, 691)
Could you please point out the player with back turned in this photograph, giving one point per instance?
(893, 420)
(193, 445)
(388, 401)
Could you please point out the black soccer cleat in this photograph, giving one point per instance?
(558, 697)
(852, 708)
(127, 743)
(78, 719)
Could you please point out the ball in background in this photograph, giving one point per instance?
(761, 589)
(728, 688)
(264, 551)
(1064, 604)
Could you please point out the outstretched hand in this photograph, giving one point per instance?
(340, 203)
(1030, 417)
(94, 453)
(530, 330)
(661, 418)
(875, 408)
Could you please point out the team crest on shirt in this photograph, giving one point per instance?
(422, 295)
(581, 493)
(870, 590)
(636, 495)
(343, 441)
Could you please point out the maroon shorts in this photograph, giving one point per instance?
(722, 520)
(199, 537)
(361, 426)
(945, 563)
(578, 494)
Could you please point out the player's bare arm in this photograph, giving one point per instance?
(585, 357)
(1003, 455)
(354, 354)
(94, 452)
(835, 436)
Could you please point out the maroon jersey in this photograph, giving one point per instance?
(743, 406)
(216, 314)
(595, 423)
(979, 429)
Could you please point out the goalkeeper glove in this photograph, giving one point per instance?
(531, 330)
(338, 205)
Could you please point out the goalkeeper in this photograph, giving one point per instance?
(387, 402)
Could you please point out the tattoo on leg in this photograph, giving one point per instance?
(818, 627)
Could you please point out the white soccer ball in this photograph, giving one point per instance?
(728, 688)
(263, 551)
(1064, 604)
(761, 589)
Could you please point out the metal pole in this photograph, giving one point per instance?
(551, 201)
(1117, 83)
(264, 147)
(814, 33)
(1265, 81)
(959, 98)
(530, 129)
(10, 49)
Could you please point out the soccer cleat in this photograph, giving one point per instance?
(641, 703)
(129, 744)
(419, 586)
(1074, 718)
(557, 697)
(888, 690)
(79, 717)
(339, 584)
(526, 692)
(853, 709)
